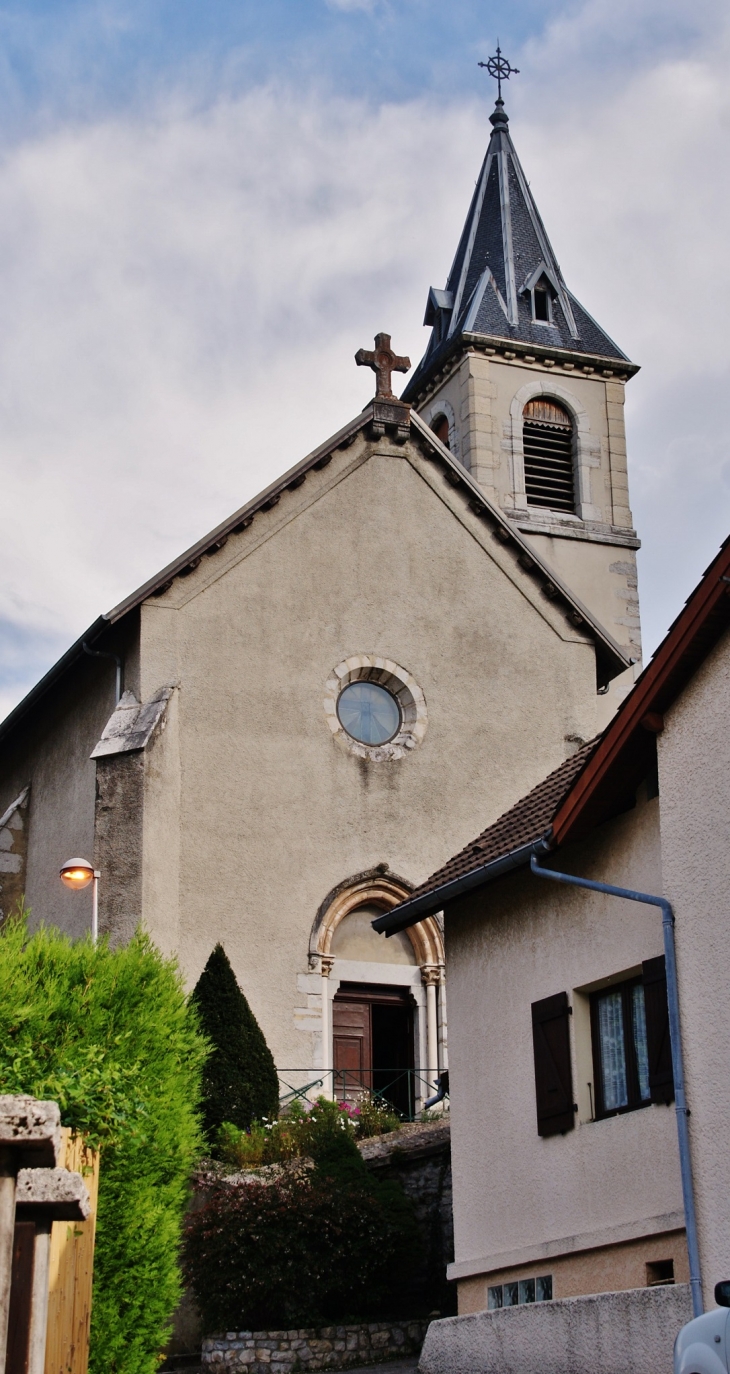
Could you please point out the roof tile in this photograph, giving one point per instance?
(521, 825)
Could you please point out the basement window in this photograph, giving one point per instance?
(520, 1291)
(547, 437)
(659, 1273)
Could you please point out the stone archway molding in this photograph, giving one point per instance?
(383, 889)
(444, 407)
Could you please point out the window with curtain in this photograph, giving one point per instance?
(620, 1048)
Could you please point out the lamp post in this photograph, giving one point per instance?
(78, 873)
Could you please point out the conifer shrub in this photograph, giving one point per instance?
(110, 1036)
(240, 1082)
(306, 1247)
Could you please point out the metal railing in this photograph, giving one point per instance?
(402, 1091)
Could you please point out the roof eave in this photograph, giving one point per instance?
(154, 584)
(417, 908)
(257, 503)
(497, 345)
(645, 696)
(49, 680)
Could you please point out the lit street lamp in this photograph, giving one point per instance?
(78, 873)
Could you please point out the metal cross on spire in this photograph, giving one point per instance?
(500, 69)
(384, 362)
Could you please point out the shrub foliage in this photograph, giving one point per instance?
(110, 1036)
(294, 1135)
(240, 1083)
(305, 1247)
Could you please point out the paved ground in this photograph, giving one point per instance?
(392, 1367)
(408, 1366)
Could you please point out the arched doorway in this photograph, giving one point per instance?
(383, 1001)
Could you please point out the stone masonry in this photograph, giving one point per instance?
(13, 852)
(326, 1347)
(418, 1156)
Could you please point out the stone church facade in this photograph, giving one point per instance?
(331, 692)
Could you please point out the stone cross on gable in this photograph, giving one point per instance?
(384, 363)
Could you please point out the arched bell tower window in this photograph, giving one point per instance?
(440, 427)
(547, 435)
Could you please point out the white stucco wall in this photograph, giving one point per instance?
(375, 554)
(694, 768)
(519, 1198)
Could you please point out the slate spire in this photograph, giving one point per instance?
(505, 277)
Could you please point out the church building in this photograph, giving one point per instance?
(284, 732)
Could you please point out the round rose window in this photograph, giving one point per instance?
(368, 713)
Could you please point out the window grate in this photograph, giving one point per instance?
(548, 450)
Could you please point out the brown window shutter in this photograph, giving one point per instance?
(658, 1044)
(553, 1074)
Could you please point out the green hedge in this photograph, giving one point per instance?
(110, 1036)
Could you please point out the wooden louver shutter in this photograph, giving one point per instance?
(553, 1074)
(547, 435)
(661, 1078)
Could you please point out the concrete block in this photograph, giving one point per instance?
(630, 1332)
(32, 1127)
(58, 1193)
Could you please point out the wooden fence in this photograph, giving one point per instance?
(71, 1270)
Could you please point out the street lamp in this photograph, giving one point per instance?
(78, 873)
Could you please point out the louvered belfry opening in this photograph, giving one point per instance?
(547, 436)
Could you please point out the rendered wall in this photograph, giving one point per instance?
(371, 555)
(52, 754)
(694, 759)
(520, 1199)
(612, 1333)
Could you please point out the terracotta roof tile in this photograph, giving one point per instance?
(521, 825)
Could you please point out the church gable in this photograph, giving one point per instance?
(310, 482)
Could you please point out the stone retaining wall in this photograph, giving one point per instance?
(419, 1157)
(325, 1347)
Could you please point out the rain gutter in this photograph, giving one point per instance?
(408, 913)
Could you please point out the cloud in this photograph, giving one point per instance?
(182, 292)
(632, 189)
(350, 5)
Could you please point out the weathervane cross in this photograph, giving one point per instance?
(384, 363)
(500, 69)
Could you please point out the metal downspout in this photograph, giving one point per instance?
(675, 1035)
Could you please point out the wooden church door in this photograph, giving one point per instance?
(372, 1045)
(352, 1047)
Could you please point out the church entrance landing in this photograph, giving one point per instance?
(372, 1044)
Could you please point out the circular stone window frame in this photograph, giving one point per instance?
(401, 685)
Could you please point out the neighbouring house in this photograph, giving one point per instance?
(325, 697)
(564, 1134)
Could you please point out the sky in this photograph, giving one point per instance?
(206, 209)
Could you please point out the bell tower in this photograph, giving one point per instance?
(527, 391)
